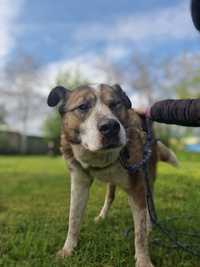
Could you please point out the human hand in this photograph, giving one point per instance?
(143, 112)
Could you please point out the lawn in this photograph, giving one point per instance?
(34, 200)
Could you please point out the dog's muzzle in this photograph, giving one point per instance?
(109, 128)
(110, 133)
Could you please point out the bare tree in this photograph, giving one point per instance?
(3, 115)
(25, 102)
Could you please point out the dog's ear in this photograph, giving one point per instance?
(195, 9)
(59, 94)
(123, 95)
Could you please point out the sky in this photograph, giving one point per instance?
(57, 32)
(64, 34)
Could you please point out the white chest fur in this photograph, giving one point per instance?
(114, 174)
(103, 166)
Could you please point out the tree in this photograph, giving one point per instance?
(3, 115)
(25, 102)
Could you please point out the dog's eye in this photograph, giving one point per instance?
(115, 105)
(84, 107)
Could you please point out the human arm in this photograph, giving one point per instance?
(179, 112)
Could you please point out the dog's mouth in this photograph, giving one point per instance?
(111, 143)
(105, 144)
(111, 146)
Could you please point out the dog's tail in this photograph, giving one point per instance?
(166, 155)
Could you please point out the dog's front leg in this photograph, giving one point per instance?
(80, 184)
(138, 207)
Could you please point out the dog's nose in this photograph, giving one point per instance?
(109, 127)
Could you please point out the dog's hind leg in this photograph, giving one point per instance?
(109, 198)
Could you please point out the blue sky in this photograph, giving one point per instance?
(58, 31)
(81, 35)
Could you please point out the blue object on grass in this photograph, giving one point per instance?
(193, 148)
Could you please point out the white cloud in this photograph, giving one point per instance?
(159, 24)
(116, 51)
(87, 64)
(168, 24)
(172, 23)
(9, 11)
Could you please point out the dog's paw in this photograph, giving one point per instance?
(143, 263)
(98, 219)
(63, 253)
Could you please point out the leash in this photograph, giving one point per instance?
(143, 164)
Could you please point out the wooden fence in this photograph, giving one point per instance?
(11, 143)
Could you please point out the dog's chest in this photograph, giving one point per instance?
(104, 166)
(114, 174)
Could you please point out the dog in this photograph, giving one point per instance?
(98, 123)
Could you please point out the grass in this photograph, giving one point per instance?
(34, 198)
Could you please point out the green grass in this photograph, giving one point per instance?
(34, 198)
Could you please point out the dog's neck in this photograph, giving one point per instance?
(100, 159)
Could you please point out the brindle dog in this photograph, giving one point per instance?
(97, 123)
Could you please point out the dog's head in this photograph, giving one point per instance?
(94, 116)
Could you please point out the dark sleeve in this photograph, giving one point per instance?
(180, 112)
(195, 10)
